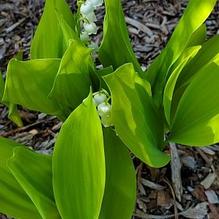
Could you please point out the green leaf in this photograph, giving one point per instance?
(120, 191)
(79, 164)
(105, 71)
(205, 55)
(188, 54)
(116, 48)
(34, 173)
(13, 200)
(102, 72)
(194, 16)
(67, 32)
(134, 116)
(28, 83)
(197, 116)
(13, 114)
(72, 83)
(49, 41)
(198, 37)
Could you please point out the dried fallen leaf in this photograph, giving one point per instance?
(209, 180)
(208, 151)
(189, 161)
(152, 185)
(164, 199)
(212, 197)
(197, 212)
(199, 193)
(214, 211)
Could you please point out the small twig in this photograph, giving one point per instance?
(176, 171)
(149, 216)
(139, 26)
(11, 28)
(12, 132)
(174, 199)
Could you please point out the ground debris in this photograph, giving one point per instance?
(150, 23)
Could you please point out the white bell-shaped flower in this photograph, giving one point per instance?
(90, 28)
(86, 8)
(94, 46)
(84, 36)
(96, 3)
(91, 17)
(99, 98)
(104, 109)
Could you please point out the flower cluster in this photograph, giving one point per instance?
(103, 107)
(88, 16)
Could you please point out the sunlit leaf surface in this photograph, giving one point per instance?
(79, 164)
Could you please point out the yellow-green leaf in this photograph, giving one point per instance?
(205, 55)
(13, 199)
(49, 41)
(135, 118)
(120, 191)
(72, 82)
(188, 54)
(116, 48)
(194, 16)
(79, 164)
(34, 173)
(13, 114)
(28, 83)
(197, 117)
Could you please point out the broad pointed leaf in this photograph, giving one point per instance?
(13, 199)
(197, 116)
(134, 116)
(208, 51)
(79, 164)
(194, 16)
(72, 83)
(67, 32)
(116, 48)
(34, 173)
(28, 83)
(101, 73)
(206, 54)
(48, 41)
(198, 37)
(120, 191)
(188, 54)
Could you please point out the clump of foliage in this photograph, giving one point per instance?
(107, 113)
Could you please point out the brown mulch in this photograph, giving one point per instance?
(150, 24)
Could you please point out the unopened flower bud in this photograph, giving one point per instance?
(90, 28)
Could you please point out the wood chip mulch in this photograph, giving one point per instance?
(189, 186)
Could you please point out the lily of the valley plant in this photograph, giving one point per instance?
(108, 113)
